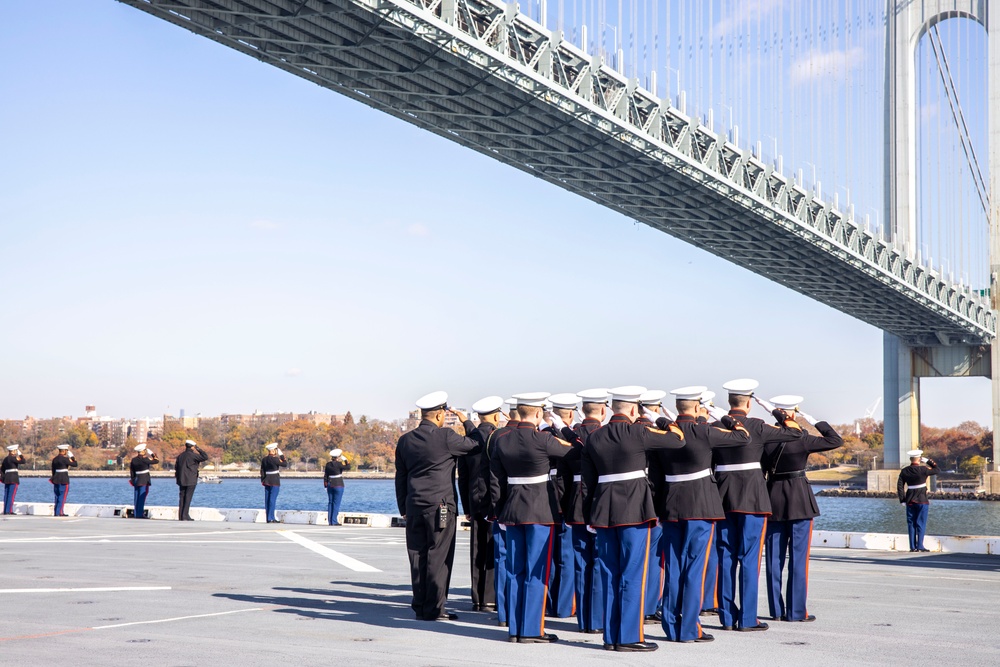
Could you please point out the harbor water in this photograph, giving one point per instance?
(876, 515)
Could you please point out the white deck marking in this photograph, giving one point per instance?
(115, 589)
(335, 556)
(175, 618)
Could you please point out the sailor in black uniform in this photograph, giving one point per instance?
(747, 505)
(333, 482)
(914, 478)
(793, 507)
(691, 506)
(426, 497)
(474, 492)
(619, 506)
(11, 478)
(589, 587)
(61, 463)
(562, 579)
(140, 479)
(520, 467)
(186, 476)
(270, 478)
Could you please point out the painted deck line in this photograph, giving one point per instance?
(335, 556)
(176, 618)
(110, 589)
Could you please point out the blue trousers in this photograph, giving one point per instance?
(9, 492)
(589, 587)
(529, 552)
(139, 494)
(61, 491)
(501, 576)
(334, 494)
(710, 597)
(654, 571)
(916, 525)
(791, 540)
(270, 500)
(622, 552)
(562, 582)
(687, 547)
(738, 543)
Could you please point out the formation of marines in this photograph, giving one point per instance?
(631, 515)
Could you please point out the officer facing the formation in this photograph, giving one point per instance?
(474, 491)
(562, 582)
(747, 505)
(650, 404)
(619, 506)
(914, 478)
(425, 494)
(589, 588)
(11, 478)
(528, 509)
(270, 478)
(61, 463)
(186, 476)
(333, 481)
(691, 504)
(793, 507)
(140, 479)
(500, 573)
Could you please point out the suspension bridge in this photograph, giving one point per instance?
(568, 91)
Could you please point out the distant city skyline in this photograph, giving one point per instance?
(187, 227)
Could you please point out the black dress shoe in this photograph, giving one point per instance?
(511, 639)
(728, 628)
(808, 619)
(599, 631)
(760, 627)
(444, 616)
(705, 612)
(609, 647)
(541, 639)
(924, 550)
(705, 637)
(651, 619)
(637, 646)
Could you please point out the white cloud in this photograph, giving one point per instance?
(823, 66)
(293, 372)
(416, 229)
(747, 11)
(265, 225)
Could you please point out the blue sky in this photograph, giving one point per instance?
(185, 227)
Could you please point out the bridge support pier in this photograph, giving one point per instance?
(901, 387)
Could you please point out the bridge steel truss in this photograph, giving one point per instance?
(481, 74)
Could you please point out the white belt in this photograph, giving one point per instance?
(61, 470)
(334, 476)
(731, 467)
(553, 472)
(537, 479)
(621, 476)
(916, 486)
(272, 472)
(689, 476)
(9, 470)
(577, 478)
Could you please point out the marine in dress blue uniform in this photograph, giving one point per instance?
(10, 476)
(740, 536)
(619, 506)
(501, 577)
(912, 490)
(691, 505)
(562, 577)
(270, 478)
(426, 458)
(793, 508)
(587, 572)
(651, 403)
(61, 463)
(333, 482)
(140, 479)
(528, 509)
(473, 489)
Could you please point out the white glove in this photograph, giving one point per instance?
(151, 454)
(607, 416)
(716, 412)
(808, 418)
(591, 529)
(556, 421)
(923, 459)
(69, 454)
(764, 404)
(280, 453)
(502, 527)
(649, 414)
(670, 414)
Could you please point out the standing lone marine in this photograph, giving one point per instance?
(333, 480)
(426, 496)
(61, 463)
(140, 479)
(914, 477)
(186, 474)
(11, 478)
(270, 478)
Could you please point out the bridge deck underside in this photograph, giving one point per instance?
(361, 54)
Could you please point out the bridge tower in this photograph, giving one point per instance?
(905, 362)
